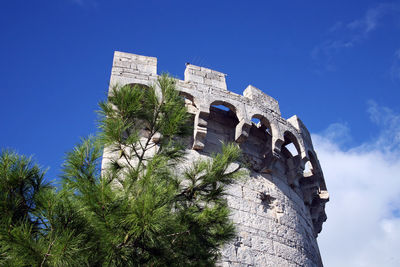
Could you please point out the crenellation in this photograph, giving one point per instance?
(135, 63)
(299, 125)
(205, 76)
(278, 208)
(259, 96)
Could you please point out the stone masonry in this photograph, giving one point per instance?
(279, 208)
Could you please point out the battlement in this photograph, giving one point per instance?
(205, 88)
(135, 66)
(261, 98)
(200, 75)
(254, 122)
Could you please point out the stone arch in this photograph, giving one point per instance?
(294, 164)
(188, 97)
(226, 107)
(257, 145)
(190, 103)
(317, 169)
(242, 125)
(266, 120)
(264, 123)
(312, 159)
(290, 138)
(230, 106)
(145, 86)
(308, 167)
(221, 125)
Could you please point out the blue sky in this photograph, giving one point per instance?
(336, 64)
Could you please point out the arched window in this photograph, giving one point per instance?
(290, 147)
(308, 168)
(189, 103)
(258, 146)
(262, 123)
(223, 105)
(189, 99)
(144, 86)
(221, 125)
(316, 170)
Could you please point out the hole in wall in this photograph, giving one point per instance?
(221, 107)
(292, 149)
(268, 131)
(221, 126)
(140, 85)
(308, 168)
(225, 109)
(257, 149)
(256, 121)
(189, 100)
(261, 122)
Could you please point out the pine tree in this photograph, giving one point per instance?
(141, 209)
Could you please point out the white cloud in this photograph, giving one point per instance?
(363, 226)
(389, 123)
(371, 18)
(339, 133)
(343, 36)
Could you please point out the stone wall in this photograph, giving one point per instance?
(279, 208)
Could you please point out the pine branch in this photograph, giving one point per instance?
(47, 253)
(124, 155)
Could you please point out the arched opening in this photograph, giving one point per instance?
(291, 152)
(192, 110)
(290, 147)
(256, 121)
(308, 168)
(311, 165)
(262, 123)
(257, 149)
(189, 102)
(188, 98)
(316, 170)
(313, 160)
(223, 105)
(311, 182)
(221, 125)
(140, 85)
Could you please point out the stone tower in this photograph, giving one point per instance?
(280, 208)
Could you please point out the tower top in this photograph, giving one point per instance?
(204, 88)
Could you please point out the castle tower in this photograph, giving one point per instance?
(280, 208)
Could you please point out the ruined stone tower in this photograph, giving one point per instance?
(280, 208)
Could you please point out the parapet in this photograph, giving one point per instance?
(259, 97)
(131, 67)
(205, 88)
(200, 75)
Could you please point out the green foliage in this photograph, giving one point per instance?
(139, 210)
